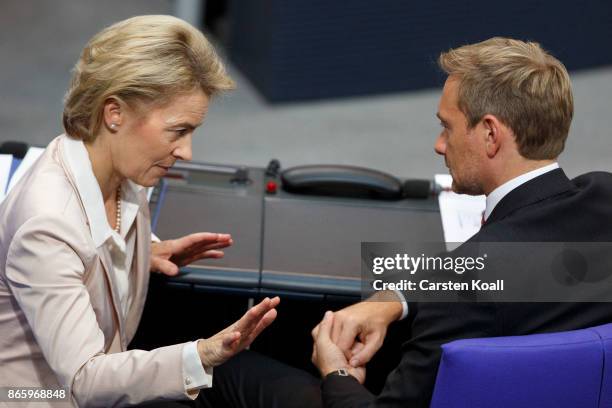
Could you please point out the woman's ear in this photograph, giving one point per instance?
(113, 113)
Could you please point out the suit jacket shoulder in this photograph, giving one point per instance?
(553, 208)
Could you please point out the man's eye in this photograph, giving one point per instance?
(180, 132)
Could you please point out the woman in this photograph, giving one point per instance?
(75, 239)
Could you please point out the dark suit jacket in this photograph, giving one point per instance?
(549, 208)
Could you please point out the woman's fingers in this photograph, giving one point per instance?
(230, 338)
(238, 336)
(164, 266)
(257, 318)
(188, 242)
(265, 321)
(182, 261)
(199, 252)
(252, 316)
(207, 238)
(205, 246)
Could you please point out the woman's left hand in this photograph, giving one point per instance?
(235, 338)
(168, 256)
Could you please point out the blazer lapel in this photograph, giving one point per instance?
(540, 188)
(107, 264)
(140, 270)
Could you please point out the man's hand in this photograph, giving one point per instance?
(168, 256)
(359, 330)
(235, 338)
(327, 356)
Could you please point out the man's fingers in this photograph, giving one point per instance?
(336, 329)
(357, 347)
(313, 356)
(325, 326)
(346, 338)
(370, 347)
(315, 332)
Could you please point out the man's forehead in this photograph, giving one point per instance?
(448, 100)
(451, 87)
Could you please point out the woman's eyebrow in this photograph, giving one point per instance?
(186, 124)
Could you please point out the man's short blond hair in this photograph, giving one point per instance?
(141, 60)
(525, 87)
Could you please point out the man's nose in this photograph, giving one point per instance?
(440, 145)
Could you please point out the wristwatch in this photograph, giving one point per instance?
(341, 372)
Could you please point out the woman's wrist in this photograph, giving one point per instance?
(201, 346)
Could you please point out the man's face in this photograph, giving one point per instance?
(462, 148)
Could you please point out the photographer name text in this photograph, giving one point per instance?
(406, 285)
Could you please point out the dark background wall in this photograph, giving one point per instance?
(304, 49)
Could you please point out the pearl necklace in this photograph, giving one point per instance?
(118, 215)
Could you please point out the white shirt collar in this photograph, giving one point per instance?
(500, 192)
(87, 185)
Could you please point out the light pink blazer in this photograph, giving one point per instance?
(60, 320)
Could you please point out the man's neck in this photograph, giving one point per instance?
(495, 196)
(511, 172)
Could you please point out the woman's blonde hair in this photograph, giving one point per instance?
(145, 59)
(528, 89)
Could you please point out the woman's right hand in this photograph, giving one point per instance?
(217, 349)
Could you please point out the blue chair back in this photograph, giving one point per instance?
(554, 370)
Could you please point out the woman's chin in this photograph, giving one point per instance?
(149, 181)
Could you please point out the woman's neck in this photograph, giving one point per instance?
(103, 168)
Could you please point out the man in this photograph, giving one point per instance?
(505, 112)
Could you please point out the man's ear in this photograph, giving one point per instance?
(113, 113)
(493, 134)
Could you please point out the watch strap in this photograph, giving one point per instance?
(341, 372)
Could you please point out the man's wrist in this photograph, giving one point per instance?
(391, 304)
(340, 372)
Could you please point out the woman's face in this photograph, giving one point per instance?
(150, 140)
